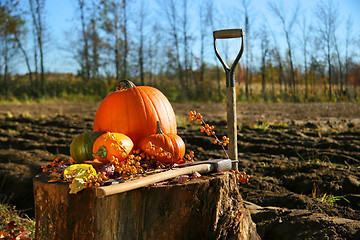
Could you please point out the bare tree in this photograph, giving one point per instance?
(95, 42)
(277, 56)
(37, 12)
(205, 15)
(84, 52)
(26, 57)
(338, 57)
(153, 52)
(89, 43)
(141, 31)
(212, 20)
(185, 40)
(170, 9)
(203, 32)
(327, 15)
(248, 35)
(19, 37)
(305, 30)
(264, 47)
(287, 26)
(35, 52)
(125, 45)
(115, 24)
(11, 25)
(348, 42)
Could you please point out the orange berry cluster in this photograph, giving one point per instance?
(195, 116)
(209, 130)
(149, 161)
(57, 166)
(96, 180)
(241, 177)
(224, 142)
(56, 162)
(157, 151)
(139, 162)
(190, 156)
(129, 167)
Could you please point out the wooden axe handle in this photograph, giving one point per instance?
(148, 180)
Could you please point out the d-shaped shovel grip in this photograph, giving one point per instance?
(224, 34)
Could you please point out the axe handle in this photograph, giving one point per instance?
(157, 177)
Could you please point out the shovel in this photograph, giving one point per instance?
(230, 89)
(185, 169)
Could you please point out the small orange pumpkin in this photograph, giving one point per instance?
(162, 144)
(133, 111)
(111, 146)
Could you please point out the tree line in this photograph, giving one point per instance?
(171, 48)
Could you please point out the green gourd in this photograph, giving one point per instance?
(81, 147)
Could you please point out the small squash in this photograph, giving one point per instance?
(81, 147)
(112, 146)
(166, 147)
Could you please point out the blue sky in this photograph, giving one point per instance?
(60, 19)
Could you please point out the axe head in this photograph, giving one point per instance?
(222, 164)
(218, 164)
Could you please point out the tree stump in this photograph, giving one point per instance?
(209, 207)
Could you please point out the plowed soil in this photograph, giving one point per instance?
(303, 159)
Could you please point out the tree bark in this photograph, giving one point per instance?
(209, 207)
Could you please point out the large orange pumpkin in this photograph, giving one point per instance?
(167, 144)
(134, 111)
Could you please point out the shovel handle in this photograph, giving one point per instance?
(230, 87)
(228, 33)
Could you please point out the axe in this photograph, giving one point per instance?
(184, 169)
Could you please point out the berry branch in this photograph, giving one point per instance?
(209, 130)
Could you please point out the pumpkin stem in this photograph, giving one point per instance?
(101, 152)
(158, 128)
(124, 84)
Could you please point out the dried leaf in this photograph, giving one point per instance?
(79, 171)
(182, 178)
(196, 175)
(162, 183)
(77, 185)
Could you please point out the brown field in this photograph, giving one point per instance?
(304, 159)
